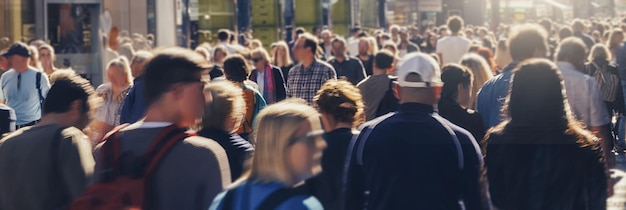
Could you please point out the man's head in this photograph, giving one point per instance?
(19, 56)
(364, 46)
(419, 79)
(299, 31)
(305, 47)
(578, 26)
(455, 24)
(139, 62)
(72, 100)
(546, 24)
(404, 34)
(383, 61)
(339, 47)
(572, 50)
(173, 84)
(528, 41)
(223, 35)
(394, 29)
(327, 36)
(355, 31)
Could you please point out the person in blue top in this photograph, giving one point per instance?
(23, 87)
(526, 41)
(288, 150)
(134, 105)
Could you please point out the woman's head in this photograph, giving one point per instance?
(432, 40)
(339, 102)
(488, 56)
(480, 70)
(219, 54)
(226, 107)
(457, 84)
(46, 56)
(118, 72)
(236, 68)
(392, 47)
(127, 50)
(616, 37)
(34, 57)
(288, 143)
(260, 58)
(537, 96)
(599, 52)
(282, 53)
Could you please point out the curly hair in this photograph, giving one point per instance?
(341, 100)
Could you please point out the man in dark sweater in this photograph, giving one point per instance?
(413, 158)
(350, 68)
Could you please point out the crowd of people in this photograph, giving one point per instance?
(433, 117)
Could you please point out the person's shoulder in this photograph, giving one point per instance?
(74, 133)
(303, 202)
(202, 143)
(103, 87)
(326, 65)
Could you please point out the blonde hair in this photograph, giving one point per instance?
(61, 73)
(256, 42)
(261, 52)
(286, 56)
(123, 64)
(274, 127)
(34, 58)
(599, 51)
(227, 104)
(373, 45)
(482, 73)
(341, 100)
(613, 42)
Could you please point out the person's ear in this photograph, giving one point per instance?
(396, 91)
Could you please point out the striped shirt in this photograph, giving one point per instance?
(303, 82)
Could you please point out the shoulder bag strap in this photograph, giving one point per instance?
(278, 197)
(38, 86)
(55, 179)
(111, 153)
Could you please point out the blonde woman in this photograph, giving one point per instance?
(47, 58)
(269, 78)
(282, 59)
(288, 150)
(113, 94)
(481, 71)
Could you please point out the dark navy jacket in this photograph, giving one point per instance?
(410, 161)
(134, 107)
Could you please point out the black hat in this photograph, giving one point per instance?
(18, 49)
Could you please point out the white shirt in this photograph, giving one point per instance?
(452, 48)
(583, 96)
(260, 80)
(353, 47)
(327, 51)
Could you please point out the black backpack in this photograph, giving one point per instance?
(389, 103)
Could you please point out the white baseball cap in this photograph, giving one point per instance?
(422, 64)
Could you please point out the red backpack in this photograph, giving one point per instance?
(126, 191)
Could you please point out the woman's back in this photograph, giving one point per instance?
(543, 169)
(251, 194)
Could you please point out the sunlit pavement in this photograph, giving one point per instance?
(618, 174)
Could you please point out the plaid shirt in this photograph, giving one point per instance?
(304, 82)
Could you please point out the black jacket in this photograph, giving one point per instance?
(471, 122)
(279, 82)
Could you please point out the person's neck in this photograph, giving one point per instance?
(340, 57)
(342, 125)
(55, 119)
(119, 88)
(364, 56)
(20, 70)
(307, 62)
(454, 34)
(158, 112)
(377, 72)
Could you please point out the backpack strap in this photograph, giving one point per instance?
(278, 197)
(162, 144)
(38, 86)
(55, 178)
(110, 154)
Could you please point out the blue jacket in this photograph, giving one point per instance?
(250, 194)
(492, 95)
(134, 107)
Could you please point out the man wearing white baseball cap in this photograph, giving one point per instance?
(414, 158)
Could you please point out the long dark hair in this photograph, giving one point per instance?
(537, 101)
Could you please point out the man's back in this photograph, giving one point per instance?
(373, 90)
(189, 177)
(583, 96)
(26, 168)
(452, 48)
(410, 160)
